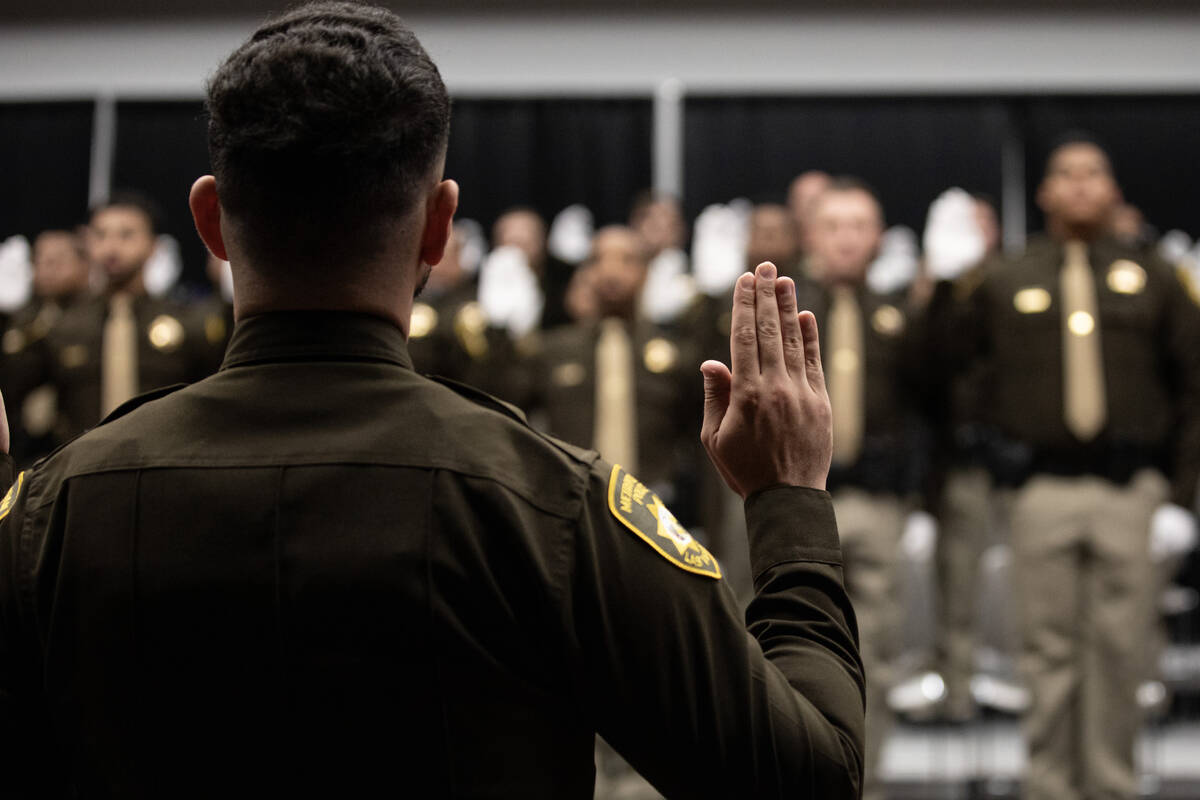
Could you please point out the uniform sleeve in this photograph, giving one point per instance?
(29, 768)
(702, 704)
(1181, 336)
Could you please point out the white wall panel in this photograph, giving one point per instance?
(484, 54)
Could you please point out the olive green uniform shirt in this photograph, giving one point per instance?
(319, 572)
(176, 344)
(892, 459)
(667, 387)
(1011, 320)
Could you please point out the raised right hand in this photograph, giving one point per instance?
(768, 422)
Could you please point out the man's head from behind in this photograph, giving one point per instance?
(327, 133)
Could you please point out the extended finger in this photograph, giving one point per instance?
(813, 369)
(789, 328)
(743, 339)
(766, 315)
(717, 381)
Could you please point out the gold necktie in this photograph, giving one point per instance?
(1084, 401)
(118, 357)
(616, 428)
(846, 375)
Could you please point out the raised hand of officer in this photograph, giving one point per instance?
(767, 422)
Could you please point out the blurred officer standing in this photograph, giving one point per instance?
(451, 336)
(60, 281)
(961, 235)
(524, 229)
(772, 236)
(319, 573)
(866, 349)
(802, 191)
(619, 383)
(113, 347)
(1096, 393)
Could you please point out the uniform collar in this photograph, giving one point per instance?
(315, 336)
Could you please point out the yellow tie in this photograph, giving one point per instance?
(1084, 400)
(118, 357)
(616, 429)
(846, 375)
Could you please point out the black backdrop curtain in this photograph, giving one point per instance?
(909, 149)
(160, 150)
(548, 154)
(1153, 142)
(543, 153)
(45, 157)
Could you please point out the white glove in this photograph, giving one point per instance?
(719, 246)
(953, 241)
(896, 265)
(509, 293)
(163, 267)
(16, 273)
(570, 238)
(472, 247)
(1172, 532)
(668, 289)
(1175, 247)
(919, 539)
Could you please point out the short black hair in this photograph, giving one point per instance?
(322, 128)
(130, 198)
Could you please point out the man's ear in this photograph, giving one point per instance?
(439, 216)
(206, 212)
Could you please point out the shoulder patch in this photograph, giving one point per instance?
(10, 499)
(641, 510)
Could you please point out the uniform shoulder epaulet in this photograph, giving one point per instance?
(141, 400)
(117, 413)
(480, 397)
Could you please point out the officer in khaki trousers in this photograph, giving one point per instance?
(866, 349)
(1093, 347)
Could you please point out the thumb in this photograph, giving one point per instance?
(717, 383)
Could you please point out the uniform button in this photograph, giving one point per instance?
(1081, 323)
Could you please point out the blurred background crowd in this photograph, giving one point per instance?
(1017, 511)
